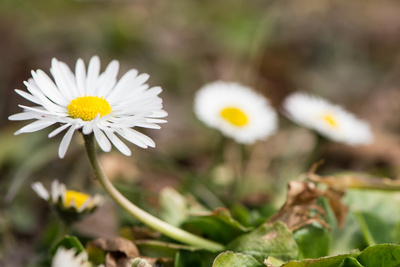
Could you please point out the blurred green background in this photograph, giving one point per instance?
(345, 51)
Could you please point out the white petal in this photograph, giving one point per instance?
(135, 137)
(46, 103)
(29, 97)
(148, 125)
(68, 258)
(102, 140)
(40, 111)
(87, 128)
(98, 200)
(40, 190)
(55, 191)
(70, 82)
(128, 89)
(125, 80)
(108, 79)
(137, 95)
(158, 114)
(48, 87)
(62, 191)
(35, 126)
(65, 142)
(92, 75)
(84, 205)
(144, 138)
(59, 130)
(142, 78)
(118, 143)
(156, 121)
(24, 116)
(61, 79)
(80, 74)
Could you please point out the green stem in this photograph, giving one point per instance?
(240, 170)
(64, 228)
(146, 218)
(314, 155)
(364, 229)
(219, 157)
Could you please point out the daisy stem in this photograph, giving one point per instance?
(146, 218)
(314, 155)
(240, 171)
(64, 228)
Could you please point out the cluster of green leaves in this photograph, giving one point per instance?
(270, 245)
(387, 255)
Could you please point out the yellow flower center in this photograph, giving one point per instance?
(87, 107)
(77, 197)
(234, 116)
(330, 120)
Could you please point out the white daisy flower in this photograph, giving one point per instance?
(92, 102)
(70, 204)
(68, 258)
(236, 110)
(330, 120)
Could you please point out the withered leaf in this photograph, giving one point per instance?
(355, 180)
(119, 251)
(339, 209)
(300, 201)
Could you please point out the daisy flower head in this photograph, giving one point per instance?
(330, 120)
(71, 205)
(236, 110)
(68, 258)
(92, 102)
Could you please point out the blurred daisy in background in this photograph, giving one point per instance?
(236, 110)
(93, 102)
(69, 258)
(71, 205)
(331, 121)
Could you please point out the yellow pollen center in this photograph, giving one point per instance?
(87, 107)
(235, 116)
(77, 197)
(330, 120)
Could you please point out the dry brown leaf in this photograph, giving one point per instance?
(301, 199)
(360, 181)
(339, 209)
(120, 252)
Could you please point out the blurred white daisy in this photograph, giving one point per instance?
(70, 204)
(236, 110)
(68, 258)
(92, 102)
(330, 120)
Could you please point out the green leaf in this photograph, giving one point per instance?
(350, 262)
(313, 241)
(183, 255)
(385, 205)
(174, 206)
(138, 262)
(387, 255)
(380, 212)
(194, 259)
(378, 228)
(218, 226)
(267, 240)
(273, 262)
(68, 242)
(331, 261)
(153, 248)
(232, 259)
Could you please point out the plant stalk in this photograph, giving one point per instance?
(146, 218)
